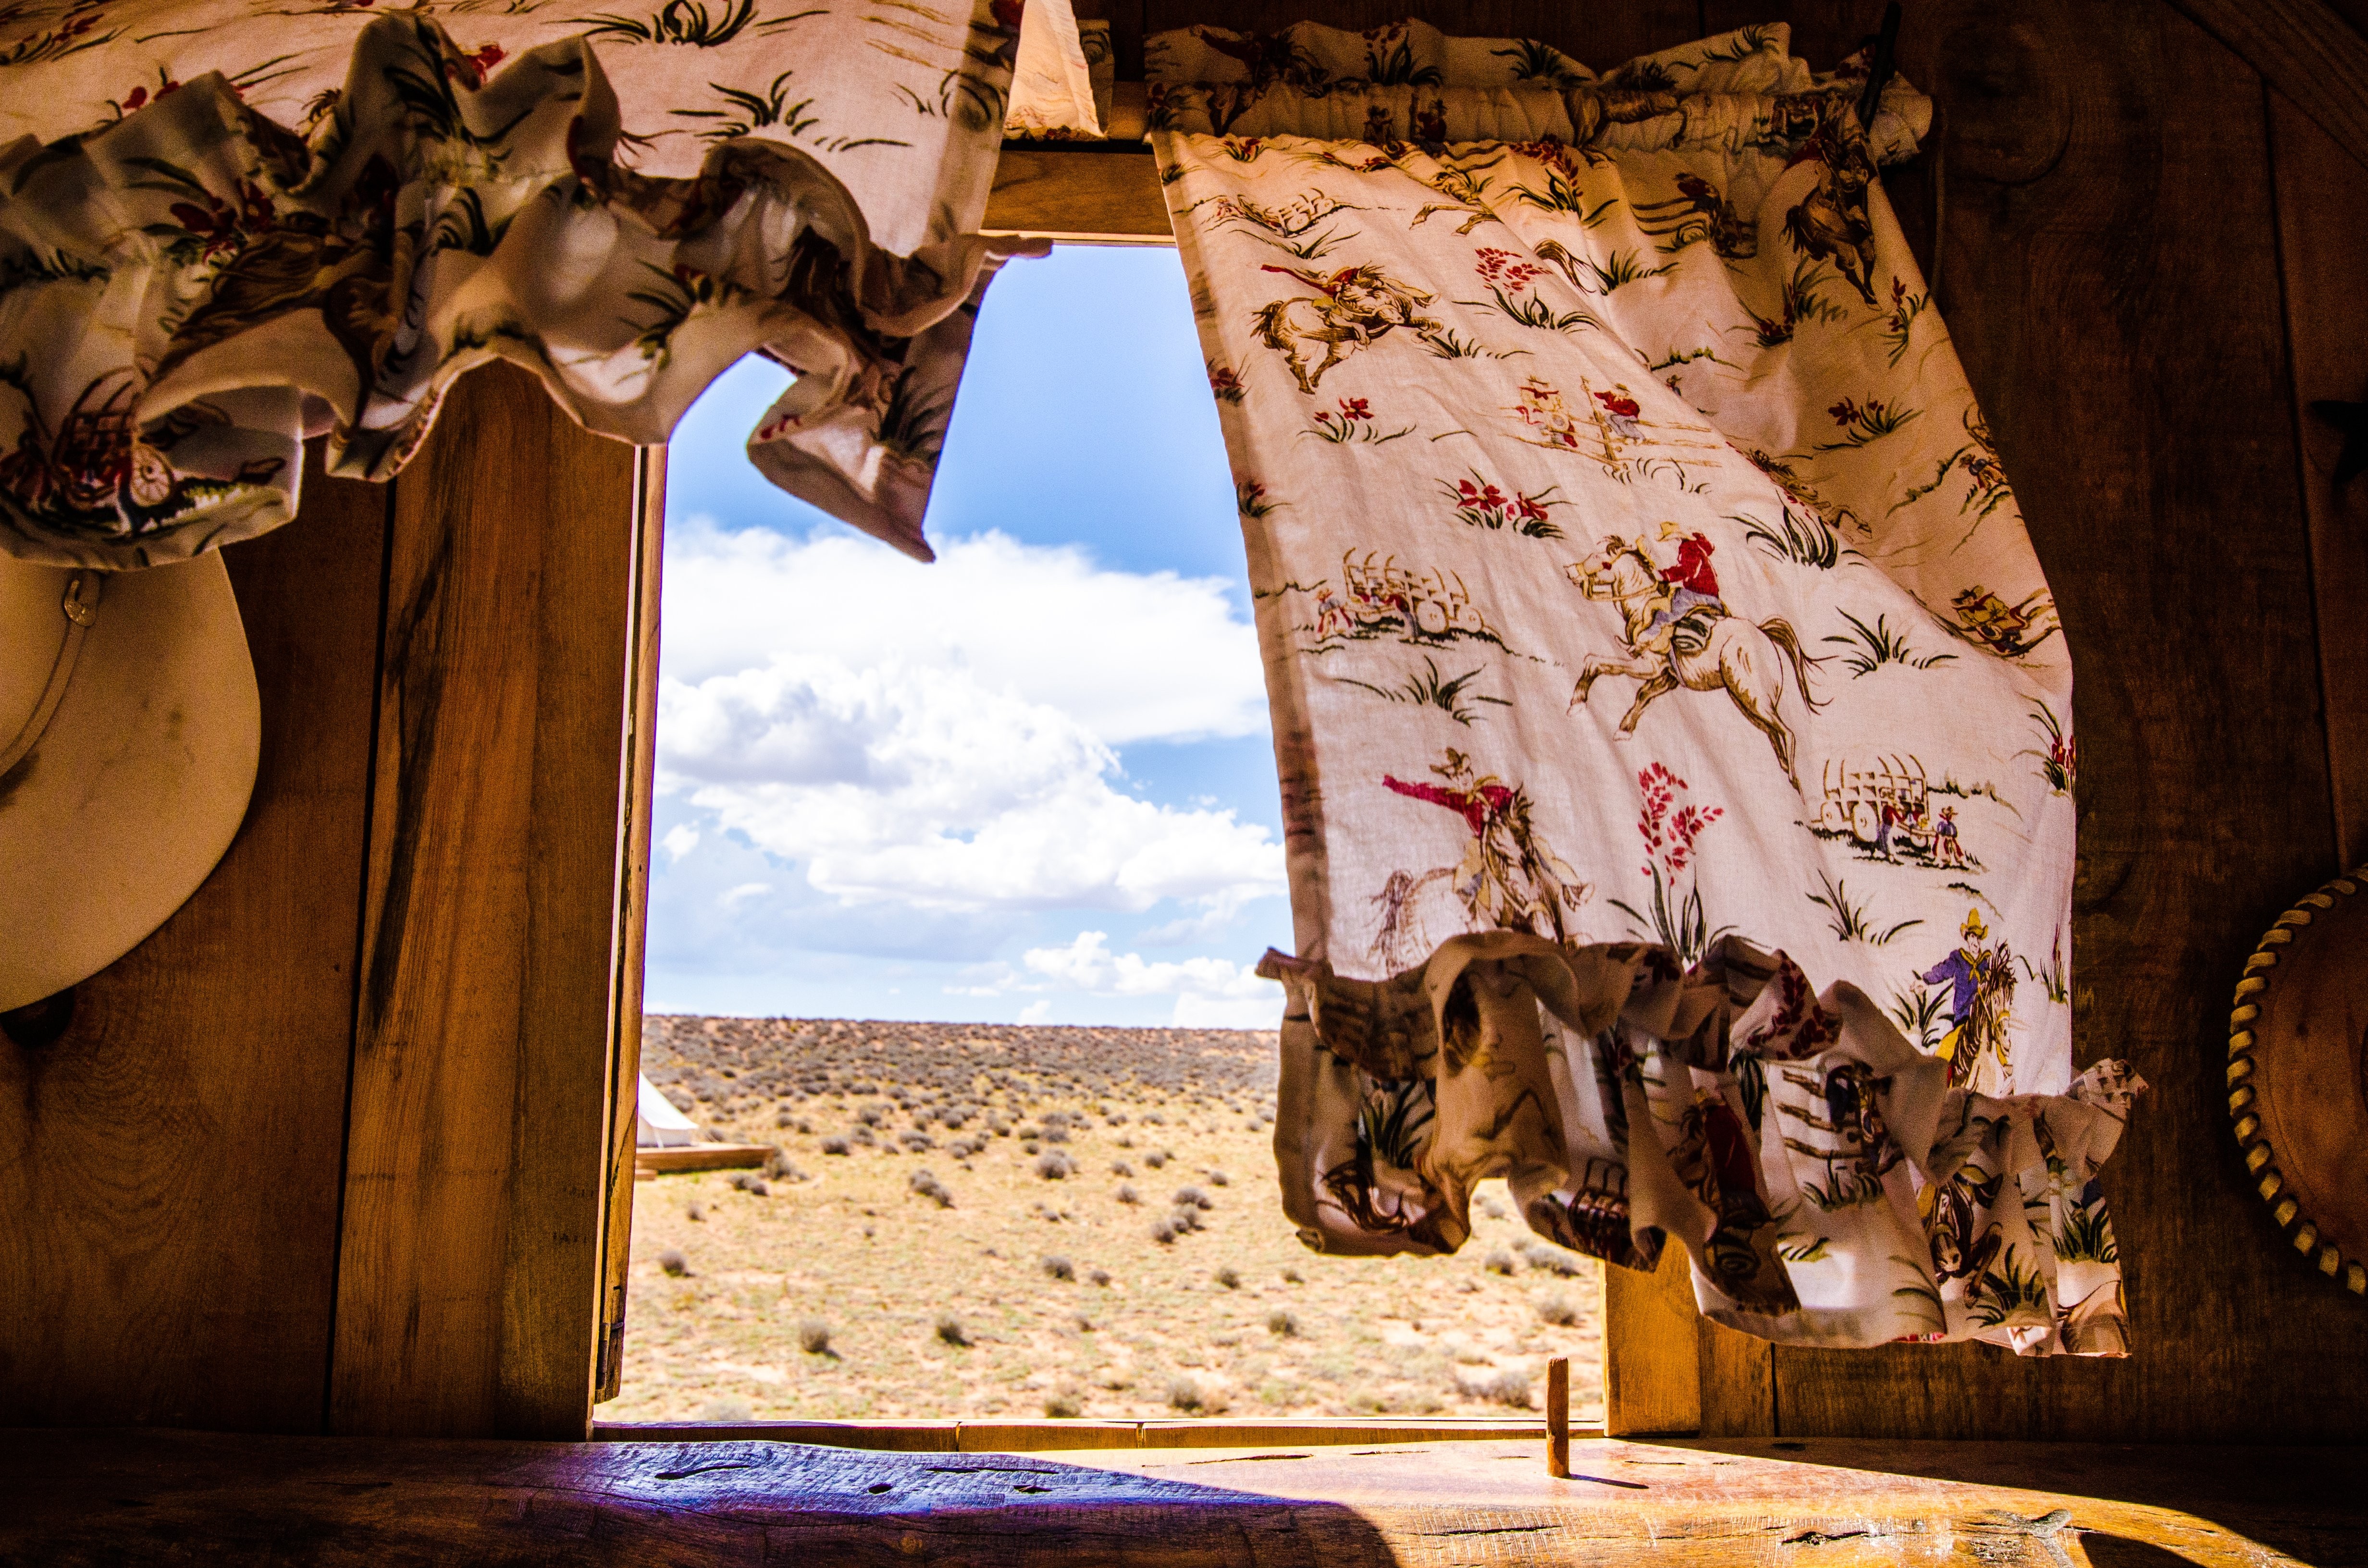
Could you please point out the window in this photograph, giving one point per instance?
(959, 872)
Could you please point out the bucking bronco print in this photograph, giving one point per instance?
(1680, 636)
(1351, 308)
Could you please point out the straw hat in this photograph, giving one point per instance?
(129, 735)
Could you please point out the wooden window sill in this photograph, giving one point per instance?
(1020, 1436)
(144, 1496)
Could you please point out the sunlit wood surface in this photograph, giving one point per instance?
(120, 1497)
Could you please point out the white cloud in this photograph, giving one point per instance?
(1227, 1013)
(923, 787)
(1088, 964)
(734, 897)
(949, 747)
(1130, 657)
(1036, 1012)
(679, 841)
(1210, 992)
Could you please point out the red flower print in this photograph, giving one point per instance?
(1354, 408)
(1007, 13)
(1485, 506)
(219, 225)
(1504, 269)
(1669, 838)
(470, 69)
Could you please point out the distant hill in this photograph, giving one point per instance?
(727, 1068)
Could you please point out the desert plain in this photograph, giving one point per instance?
(976, 1221)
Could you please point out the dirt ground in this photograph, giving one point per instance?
(855, 1287)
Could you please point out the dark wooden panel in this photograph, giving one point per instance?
(632, 923)
(2322, 195)
(2111, 246)
(169, 1168)
(112, 1498)
(470, 1277)
(1600, 36)
(2307, 50)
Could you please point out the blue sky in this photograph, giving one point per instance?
(1032, 781)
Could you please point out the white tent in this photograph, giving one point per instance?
(662, 1126)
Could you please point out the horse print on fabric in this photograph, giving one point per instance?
(1508, 878)
(1351, 308)
(1681, 635)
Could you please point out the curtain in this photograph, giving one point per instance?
(229, 224)
(1674, 724)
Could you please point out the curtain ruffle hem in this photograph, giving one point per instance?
(189, 286)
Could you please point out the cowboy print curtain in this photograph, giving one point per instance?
(228, 225)
(1673, 723)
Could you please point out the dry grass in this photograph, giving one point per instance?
(926, 1306)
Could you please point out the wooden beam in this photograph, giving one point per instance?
(125, 1497)
(1101, 198)
(471, 1271)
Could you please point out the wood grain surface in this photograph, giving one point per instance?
(2306, 50)
(101, 1497)
(1088, 197)
(169, 1166)
(950, 1436)
(2322, 258)
(1652, 1350)
(471, 1270)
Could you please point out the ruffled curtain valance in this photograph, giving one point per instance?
(1672, 718)
(224, 226)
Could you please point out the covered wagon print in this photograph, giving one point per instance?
(1672, 716)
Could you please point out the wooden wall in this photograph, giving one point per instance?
(329, 1151)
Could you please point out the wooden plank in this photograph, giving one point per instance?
(151, 1273)
(1738, 1382)
(1097, 198)
(115, 1498)
(704, 1157)
(2323, 257)
(1038, 1436)
(1031, 1436)
(1652, 1351)
(1324, 1432)
(470, 1277)
(2306, 50)
(632, 913)
(883, 1437)
(2113, 296)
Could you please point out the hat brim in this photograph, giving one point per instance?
(138, 783)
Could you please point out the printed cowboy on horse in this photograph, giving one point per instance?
(1689, 604)
(1680, 636)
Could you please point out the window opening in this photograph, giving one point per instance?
(958, 874)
